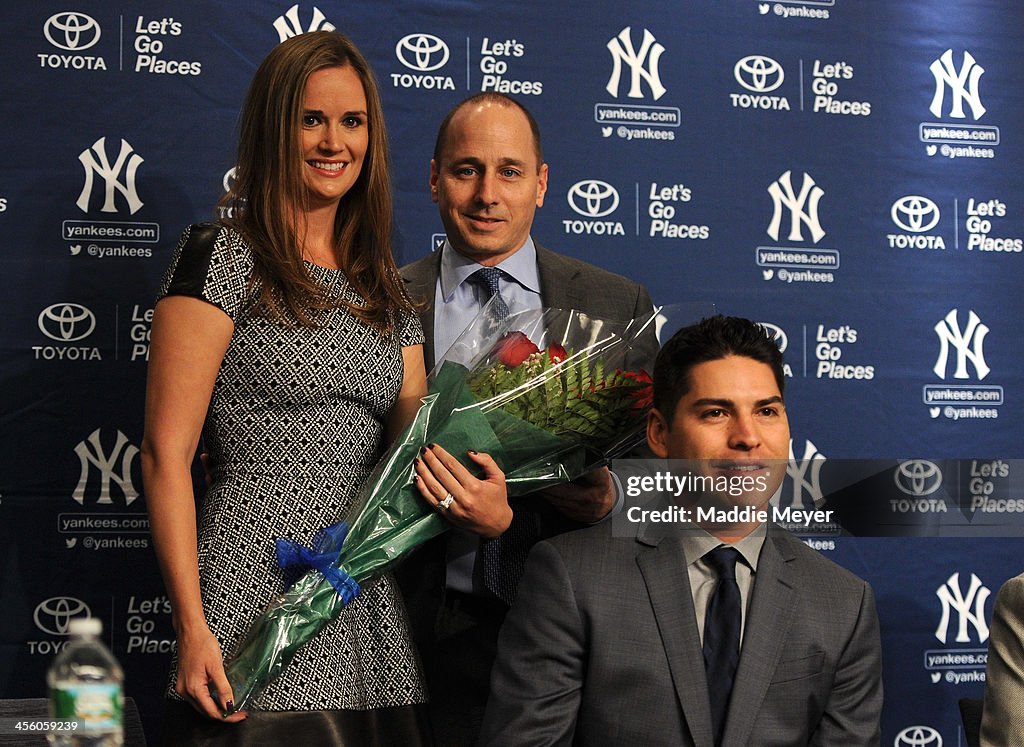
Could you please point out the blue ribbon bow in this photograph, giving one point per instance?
(322, 557)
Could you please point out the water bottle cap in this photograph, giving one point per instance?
(82, 626)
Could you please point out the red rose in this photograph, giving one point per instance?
(643, 398)
(514, 348)
(557, 353)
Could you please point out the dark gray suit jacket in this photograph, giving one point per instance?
(601, 647)
(1002, 722)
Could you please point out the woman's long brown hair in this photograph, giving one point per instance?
(269, 194)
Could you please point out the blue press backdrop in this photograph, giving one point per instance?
(846, 171)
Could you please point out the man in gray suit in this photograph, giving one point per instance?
(1002, 721)
(488, 177)
(651, 637)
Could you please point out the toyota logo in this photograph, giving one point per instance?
(592, 194)
(758, 73)
(71, 31)
(918, 477)
(416, 51)
(66, 322)
(914, 213)
(778, 335)
(53, 615)
(918, 736)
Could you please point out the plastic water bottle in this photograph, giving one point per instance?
(86, 685)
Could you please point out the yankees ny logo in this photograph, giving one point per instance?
(803, 208)
(95, 161)
(963, 85)
(967, 343)
(622, 50)
(289, 24)
(90, 452)
(806, 475)
(953, 599)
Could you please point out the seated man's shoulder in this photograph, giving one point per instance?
(1015, 582)
(595, 534)
(591, 547)
(817, 569)
(1012, 589)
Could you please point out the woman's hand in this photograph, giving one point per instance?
(479, 505)
(188, 340)
(200, 667)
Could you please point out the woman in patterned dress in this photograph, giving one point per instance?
(286, 339)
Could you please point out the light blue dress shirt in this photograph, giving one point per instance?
(457, 302)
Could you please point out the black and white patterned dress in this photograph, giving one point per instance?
(296, 423)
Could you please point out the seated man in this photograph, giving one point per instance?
(726, 633)
(1002, 721)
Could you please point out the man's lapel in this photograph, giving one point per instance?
(768, 620)
(421, 282)
(561, 284)
(662, 563)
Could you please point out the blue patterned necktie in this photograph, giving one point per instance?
(487, 278)
(504, 557)
(722, 635)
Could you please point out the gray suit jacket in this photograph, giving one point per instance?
(601, 647)
(1002, 722)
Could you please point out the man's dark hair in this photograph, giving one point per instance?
(488, 97)
(710, 340)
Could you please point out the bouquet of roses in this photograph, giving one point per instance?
(547, 414)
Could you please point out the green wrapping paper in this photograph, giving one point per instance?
(391, 517)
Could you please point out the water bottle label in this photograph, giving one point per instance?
(97, 707)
